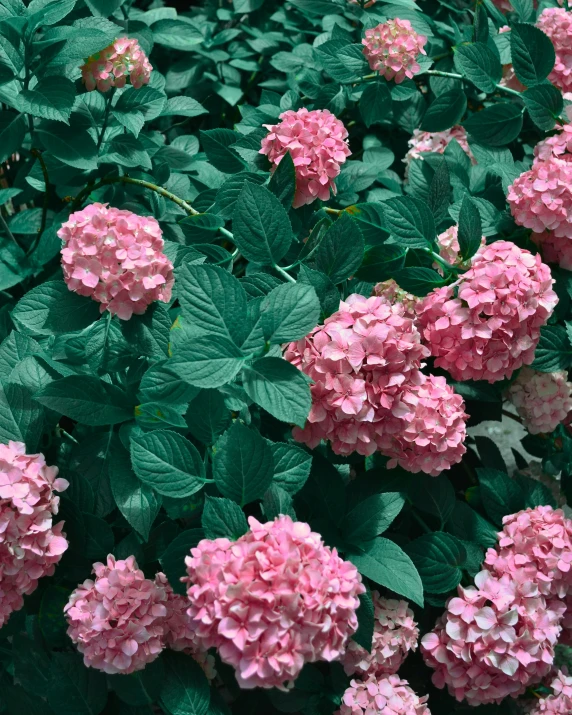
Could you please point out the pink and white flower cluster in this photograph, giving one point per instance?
(111, 66)
(392, 49)
(498, 637)
(382, 695)
(556, 22)
(435, 143)
(560, 701)
(450, 248)
(318, 145)
(272, 600)
(487, 324)
(116, 258)
(30, 544)
(121, 621)
(542, 399)
(369, 393)
(395, 633)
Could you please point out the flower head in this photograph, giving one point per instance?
(395, 633)
(449, 247)
(391, 293)
(118, 619)
(318, 145)
(272, 600)
(112, 66)
(30, 545)
(560, 702)
(542, 399)
(436, 143)
(392, 48)
(116, 258)
(555, 249)
(382, 695)
(557, 24)
(487, 324)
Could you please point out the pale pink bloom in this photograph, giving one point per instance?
(556, 22)
(449, 247)
(382, 695)
(559, 145)
(436, 143)
(30, 545)
(271, 601)
(555, 249)
(560, 702)
(117, 620)
(318, 145)
(487, 324)
(112, 66)
(542, 399)
(395, 633)
(535, 545)
(392, 49)
(391, 293)
(116, 258)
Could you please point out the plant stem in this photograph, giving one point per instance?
(334, 212)
(7, 231)
(440, 261)
(455, 75)
(283, 273)
(506, 413)
(105, 119)
(42, 228)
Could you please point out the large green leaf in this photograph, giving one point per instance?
(341, 251)
(497, 125)
(75, 689)
(223, 518)
(51, 98)
(438, 558)
(532, 53)
(185, 689)
(289, 312)
(478, 63)
(410, 221)
(371, 517)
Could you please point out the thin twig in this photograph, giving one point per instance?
(283, 273)
(506, 413)
(40, 158)
(7, 230)
(109, 99)
(454, 75)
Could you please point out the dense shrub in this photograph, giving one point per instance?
(263, 267)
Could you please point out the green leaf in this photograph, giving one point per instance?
(418, 280)
(524, 9)
(99, 538)
(479, 64)
(223, 518)
(168, 463)
(242, 464)
(385, 563)
(51, 308)
(554, 351)
(87, 400)
(501, 495)
(141, 688)
(208, 416)
(497, 125)
(207, 361)
(532, 53)
(277, 501)
(31, 663)
(183, 107)
(465, 523)
(289, 312)
(434, 496)
(410, 221)
(172, 559)
(51, 98)
(544, 103)
(371, 221)
(366, 622)
(439, 196)
(12, 133)
(135, 500)
(261, 226)
(126, 150)
(438, 558)
(217, 145)
(283, 181)
(490, 215)
(291, 466)
(280, 388)
(445, 111)
(186, 688)
(177, 34)
(75, 148)
(381, 262)
(371, 517)
(470, 228)
(228, 194)
(341, 61)
(375, 103)
(21, 418)
(341, 251)
(75, 689)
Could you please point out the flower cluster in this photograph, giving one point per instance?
(318, 144)
(487, 324)
(560, 702)
(115, 257)
(556, 22)
(391, 293)
(112, 66)
(392, 49)
(382, 695)
(395, 633)
(449, 247)
(555, 249)
(559, 145)
(368, 392)
(498, 637)
(272, 600)
(435, 143)
(30, 545)
(542, 399)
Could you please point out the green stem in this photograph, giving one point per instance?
(6, 229)
(42, 228)
(421, 521)
(105, 119)
(334, 212)
(454, 75)
(283, 273)
(506, 413)
(442, 262)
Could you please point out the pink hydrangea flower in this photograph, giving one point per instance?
(30, 545)
(180, 633)
(392, 49)
(118, 619)
(495, 639)
(116, 258)
(542, 399)
(541, 198)
(436, 143)
(560, 702)
(391, 293)
(559, 145)
(555, 249)
(318, 144)
(433, 433)
(114, 64)
(487, 324)
(395, 633)
(272, 600)
(557, 24)
(382, 695)
(535, 546)
(449, 247)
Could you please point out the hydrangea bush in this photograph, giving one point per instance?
(265, 268)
